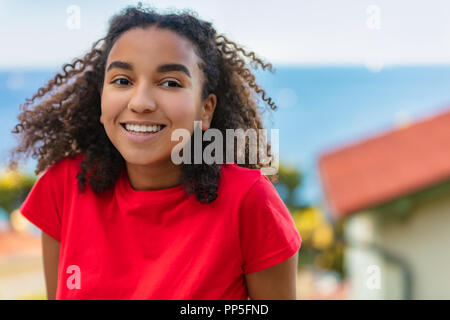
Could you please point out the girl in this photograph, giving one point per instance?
(120, 219)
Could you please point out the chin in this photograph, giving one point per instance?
(140, 158)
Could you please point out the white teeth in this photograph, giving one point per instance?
(141, 128)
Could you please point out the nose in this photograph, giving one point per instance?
(142, 101)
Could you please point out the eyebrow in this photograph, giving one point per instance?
(162, 68)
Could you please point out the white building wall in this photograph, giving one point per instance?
(422, 241)
(362, 265)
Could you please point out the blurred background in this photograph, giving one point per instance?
(363, 95)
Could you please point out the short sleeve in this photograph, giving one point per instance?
(43, 205)
(267, 231)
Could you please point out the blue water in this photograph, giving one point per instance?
(319, 108)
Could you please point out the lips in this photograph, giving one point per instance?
(142, 128)
(142, 123)
(140, 136)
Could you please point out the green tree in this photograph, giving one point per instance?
(289, 178)
(14, 187)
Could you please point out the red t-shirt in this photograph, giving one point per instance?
(163, 244)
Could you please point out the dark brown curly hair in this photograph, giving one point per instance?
(62, 118)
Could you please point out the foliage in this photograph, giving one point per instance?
(14, 187)
(290, 178)
(322, 244)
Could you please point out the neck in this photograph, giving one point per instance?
(154, 177)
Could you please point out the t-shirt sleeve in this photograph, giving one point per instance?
(267, 231)
(43, 205)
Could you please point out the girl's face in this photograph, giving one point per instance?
(152, 77)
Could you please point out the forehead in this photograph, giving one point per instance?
(154, 46)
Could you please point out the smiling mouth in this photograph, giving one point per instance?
(142, 129)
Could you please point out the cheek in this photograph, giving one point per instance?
(111, 106)
(182, 110)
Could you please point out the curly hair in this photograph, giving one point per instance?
(62, 118)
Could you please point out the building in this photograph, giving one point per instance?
(393, 193)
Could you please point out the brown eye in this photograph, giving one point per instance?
(121, 81)
(172, 84)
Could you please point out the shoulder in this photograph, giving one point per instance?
(249, 182)
(237, 177)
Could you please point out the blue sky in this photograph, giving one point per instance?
(35, 33)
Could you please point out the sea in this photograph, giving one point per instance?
(319, 108)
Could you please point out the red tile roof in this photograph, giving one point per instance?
(386, 167)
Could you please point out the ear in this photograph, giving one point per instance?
(208, 107)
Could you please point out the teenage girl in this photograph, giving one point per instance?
(120, 219)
